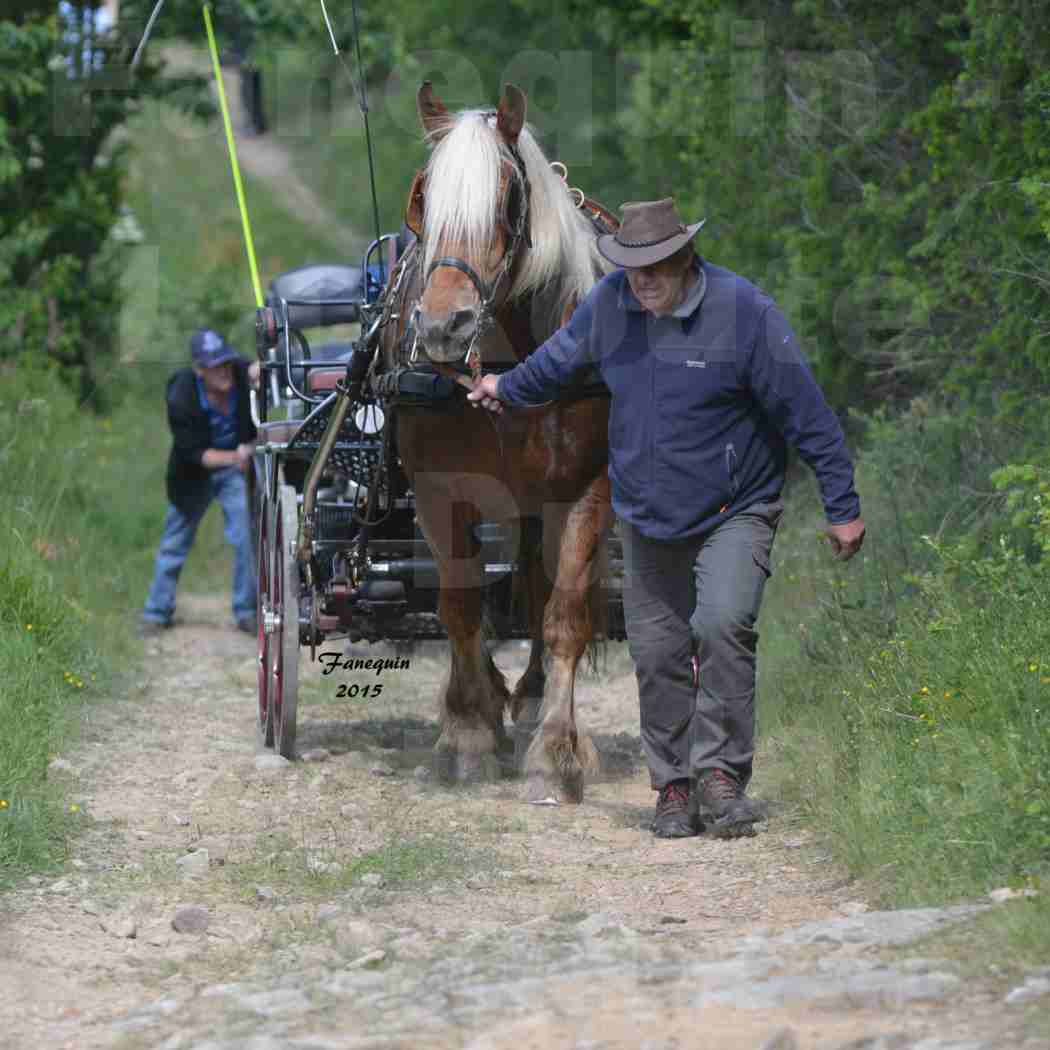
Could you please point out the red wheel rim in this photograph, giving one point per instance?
(276, 686)
(262, 638)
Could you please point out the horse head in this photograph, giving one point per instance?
(494, 222)
(470, 207)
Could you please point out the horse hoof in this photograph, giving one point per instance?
(572, 786)
(541, 790)
(467, 767)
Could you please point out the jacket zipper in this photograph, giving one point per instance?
(731, 470)
(653, 419)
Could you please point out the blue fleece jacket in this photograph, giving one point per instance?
(702, 405)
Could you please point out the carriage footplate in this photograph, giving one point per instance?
(377, 625)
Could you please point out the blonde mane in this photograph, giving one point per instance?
(462, 202)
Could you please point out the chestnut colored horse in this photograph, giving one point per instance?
(503, 255)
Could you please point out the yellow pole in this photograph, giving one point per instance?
(233, 159)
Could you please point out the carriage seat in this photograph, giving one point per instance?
(323, 380)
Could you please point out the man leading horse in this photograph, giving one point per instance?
(708, 385)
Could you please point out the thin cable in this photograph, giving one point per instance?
(368, 132)
(145, 36)
(361, 93)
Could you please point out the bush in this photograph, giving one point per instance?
(65, 97)
(920, 673)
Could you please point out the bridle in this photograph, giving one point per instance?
(488, 290)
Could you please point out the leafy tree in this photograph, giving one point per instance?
(63, 98)
(881, 169)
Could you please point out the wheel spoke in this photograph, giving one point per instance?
(284, 641)
(263, 569)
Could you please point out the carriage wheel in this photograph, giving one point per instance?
(263, 611)
(284, 641)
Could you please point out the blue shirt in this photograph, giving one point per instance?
(703, 405)
(223, 424)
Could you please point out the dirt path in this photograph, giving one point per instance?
(353, 902)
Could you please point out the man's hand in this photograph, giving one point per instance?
(846, 539)
(244, 455)
(254, 371)
(485, 392)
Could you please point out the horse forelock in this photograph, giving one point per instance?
(463, 184)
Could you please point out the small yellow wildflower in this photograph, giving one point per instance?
(29, 626)
(3, 803)
(1033, 667)
(74, 808)
(1045, 681)
(947, 696)
(925, 690)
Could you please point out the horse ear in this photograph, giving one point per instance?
(510, 116)
(414, 207)
(432, 112)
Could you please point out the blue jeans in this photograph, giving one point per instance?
(227, 485)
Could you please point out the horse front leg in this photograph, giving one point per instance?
(527, 695)
(474, 697)
(475, 692)
(560, 755)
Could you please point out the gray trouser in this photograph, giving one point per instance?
(701, 594)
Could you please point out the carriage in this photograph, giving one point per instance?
(340, 551)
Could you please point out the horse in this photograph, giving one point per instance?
(504, 252)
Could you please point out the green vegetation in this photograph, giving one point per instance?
(66, 585)
(191, 266)
(305, 870)
(908, 695)
(65, 98)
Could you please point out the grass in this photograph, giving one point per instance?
(906, 698)
(192, 266)
(301, 869)
(65, 586)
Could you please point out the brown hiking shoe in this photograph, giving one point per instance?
(672, 819)
(721, 806)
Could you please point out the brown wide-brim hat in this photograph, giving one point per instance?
(650, 231)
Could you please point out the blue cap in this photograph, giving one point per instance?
(209, 349)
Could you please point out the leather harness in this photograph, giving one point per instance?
(435, 385)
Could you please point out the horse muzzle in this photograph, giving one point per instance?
(446, 339)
